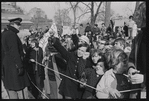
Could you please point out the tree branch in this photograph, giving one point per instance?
(76, 4)
(71, 5)
(86, 5)
(83, 14)
(79, 8)
(98, 9)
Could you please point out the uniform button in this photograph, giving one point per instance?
(74, 74)
(75, 70)
(76, 66)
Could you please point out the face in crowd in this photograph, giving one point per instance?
(32, 44)
(100, 68)
(81, 42)
(119, 45)
(81, 51)
(120, 61)
(101, 44)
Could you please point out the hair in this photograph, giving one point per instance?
(103, 24)
(84, 45)
(81, 25)
(117, 56)
(121, 41)
(102, 59)
(130, 17)
(36, 42)
(96, 25)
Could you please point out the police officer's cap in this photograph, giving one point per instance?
(16, 20)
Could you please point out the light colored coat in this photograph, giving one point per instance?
(108, 80)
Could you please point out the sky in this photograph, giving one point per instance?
(50, 7)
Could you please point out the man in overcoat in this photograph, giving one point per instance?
(137, 58)
(14, 75)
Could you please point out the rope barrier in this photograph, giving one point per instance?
(37, 87)
(85, 83)
(67, 76)
(124, 91)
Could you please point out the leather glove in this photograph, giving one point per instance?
(83, 80)
(20, 71)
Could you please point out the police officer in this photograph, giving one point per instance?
(14, 75)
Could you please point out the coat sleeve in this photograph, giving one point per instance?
(132, 53)
(65, 54)
(101, 89)
(75, 40)
(32, 55)
(14, 50)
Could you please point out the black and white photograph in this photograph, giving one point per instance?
(73, 50)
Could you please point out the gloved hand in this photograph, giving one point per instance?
(20, 71)
(51, 40)
(83, 80)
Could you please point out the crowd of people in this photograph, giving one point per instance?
(93, 63)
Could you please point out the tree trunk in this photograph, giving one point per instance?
(107, 13)
(74, 18)
(92, 14)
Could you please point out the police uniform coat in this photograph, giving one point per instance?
(13, 53)
(75, 67)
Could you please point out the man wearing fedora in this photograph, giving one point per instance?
(14, 74)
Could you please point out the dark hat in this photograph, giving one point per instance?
(16, 20)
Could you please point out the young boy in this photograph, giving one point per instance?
(113, 81)
(119, 43)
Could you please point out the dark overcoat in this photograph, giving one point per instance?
(39, 56)
(138, 53)
(75, 67)
(13, 57)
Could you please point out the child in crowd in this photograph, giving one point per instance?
(37, 73)
(48, 60)
(113, 81)
(101, 45)
(93, 72)
(119, 43)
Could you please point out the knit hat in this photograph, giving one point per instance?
(85, 38)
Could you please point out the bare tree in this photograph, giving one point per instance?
(107, 13)
(61, 17)
(90, 7)
(129, 11)
(74, 7)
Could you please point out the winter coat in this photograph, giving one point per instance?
(75, 67)
(12, 60)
